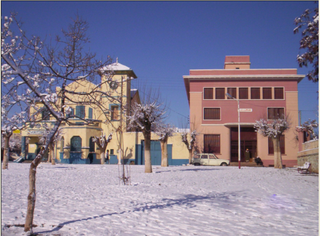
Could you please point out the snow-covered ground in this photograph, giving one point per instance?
(177, 200)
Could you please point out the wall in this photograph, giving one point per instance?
(310, 153)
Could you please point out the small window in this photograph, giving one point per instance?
(80, 112)
(212, 113)
(278, 93)
(196, 156)
(275, 113)
(208, 93)
(61, 144)
(282, 145)
(204, 156)
(232, 92)
(267, 94)
(255, 93)
(90, 113)
(243, 93)
(114, 112)
(220, 94)
(111, 151)
(211, 157)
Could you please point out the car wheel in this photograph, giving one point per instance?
(223, 164)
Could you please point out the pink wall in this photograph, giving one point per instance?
(245, 72)
(198, 85)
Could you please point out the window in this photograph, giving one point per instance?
(204, 156)
(91, 144)
(275, 113)
(220, 93)
(267, 94)
(278, 93)
(232, 92)
(212, 113)
(90, 113)
(208, 93)
(243, 93)
(45, 114)
(75, 144)
(61, 144)
(114, 112)
(255, 93)
(282, 145)
(211, 143)
(80, 112)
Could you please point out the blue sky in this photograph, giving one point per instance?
(162, 41)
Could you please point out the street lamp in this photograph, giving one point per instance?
(239, 141)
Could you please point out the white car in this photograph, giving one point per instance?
(209, 159)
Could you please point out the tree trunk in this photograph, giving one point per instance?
(103, 157)
(147, 156)
(277, 152)
(164, 153)
(6, 152)
(53, 162)
(190, 155)
(32, 190)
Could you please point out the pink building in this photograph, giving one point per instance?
(262, 93)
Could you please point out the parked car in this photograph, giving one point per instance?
(209, 159)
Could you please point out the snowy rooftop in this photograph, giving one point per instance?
(117, 67)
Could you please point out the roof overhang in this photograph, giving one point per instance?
(297, 78)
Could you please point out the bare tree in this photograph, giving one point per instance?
(308, 127)
(39, 67)
(164, 131)
(309, 42)
(190, 144)
(145, 117)
(273, 129)
(102, 143)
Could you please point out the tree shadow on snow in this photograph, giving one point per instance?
(227, 200)
(193, 169)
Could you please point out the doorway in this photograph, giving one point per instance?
(248, 138)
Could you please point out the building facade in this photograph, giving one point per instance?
(261, 93)
(76, 145)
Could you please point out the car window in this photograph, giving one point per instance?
(196, 156)
(212, 157)
(204, 156)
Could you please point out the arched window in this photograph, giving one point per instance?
(75, 144)
(61, 144)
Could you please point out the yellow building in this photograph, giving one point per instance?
(76, 144)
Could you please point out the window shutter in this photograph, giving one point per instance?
(267, 94)
(208, 93)
(90, 113)
(278, 93)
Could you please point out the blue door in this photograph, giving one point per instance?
(155, 153)
(75, 150)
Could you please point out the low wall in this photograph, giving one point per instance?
(310, 153)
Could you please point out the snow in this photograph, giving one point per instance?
(175, 200)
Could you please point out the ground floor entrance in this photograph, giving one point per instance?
(248, 140)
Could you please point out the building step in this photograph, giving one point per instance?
(252, 164)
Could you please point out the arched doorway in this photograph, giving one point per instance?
(75, 149)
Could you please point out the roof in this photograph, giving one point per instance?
(118, 67)
(133, 92)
